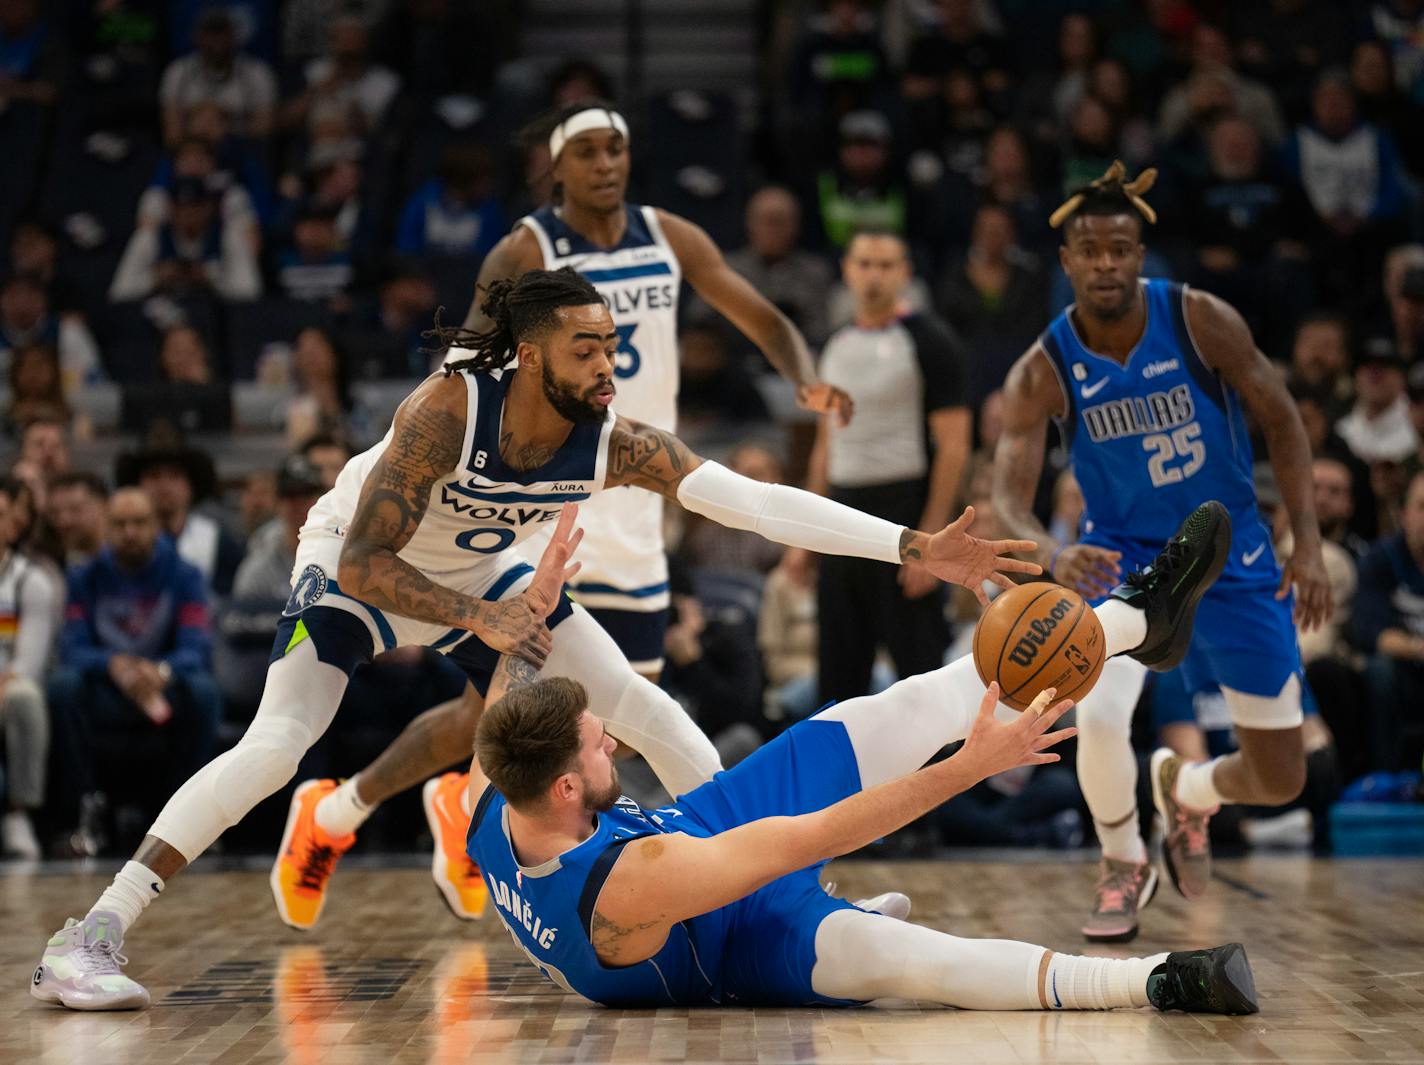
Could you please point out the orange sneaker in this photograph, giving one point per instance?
(456, 874)
(307, 857)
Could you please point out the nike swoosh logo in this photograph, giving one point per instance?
(1089, 391)
(1248, 557)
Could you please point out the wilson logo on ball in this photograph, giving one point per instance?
(1026, 650)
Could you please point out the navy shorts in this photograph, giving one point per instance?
(638, 634)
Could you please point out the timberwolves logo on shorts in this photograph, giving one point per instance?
(310, 587)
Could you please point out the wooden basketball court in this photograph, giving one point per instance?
(390, 978)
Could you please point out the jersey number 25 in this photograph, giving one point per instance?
(1183, 443)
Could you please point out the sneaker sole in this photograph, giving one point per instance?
(449, 894)
(275, 879)
(1235, 981)
(1149, 892)
(1182, 637)
(56, 997)
(1158, 800)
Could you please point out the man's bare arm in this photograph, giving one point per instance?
(517, 253)
(1032, 395)
(425, 446)
(647, 457)
(1225, 342)
(732, 296)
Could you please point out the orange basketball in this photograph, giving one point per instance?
(1038, 636)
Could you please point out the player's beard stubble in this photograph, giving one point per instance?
(569, 403)
(598, 802)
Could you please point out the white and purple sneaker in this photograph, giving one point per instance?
(80, 967)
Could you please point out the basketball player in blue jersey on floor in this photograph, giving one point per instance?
(1150, 383)
(414, 546)
(636, 257)
(715, 900)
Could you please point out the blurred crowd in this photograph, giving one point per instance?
(224, 226)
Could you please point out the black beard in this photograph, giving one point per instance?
(568, 403)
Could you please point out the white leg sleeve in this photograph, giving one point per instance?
(895, 732)
(1107, 767)
(867, 956)
(298, 703)
(636, 711)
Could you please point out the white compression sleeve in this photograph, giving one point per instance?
(788, 515)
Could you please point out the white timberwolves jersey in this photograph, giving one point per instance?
(624, 567)
(481, 508)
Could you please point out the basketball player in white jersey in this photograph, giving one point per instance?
(636, 257)
(413, 546)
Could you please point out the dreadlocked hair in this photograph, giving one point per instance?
(519, 308)
(1108, 195)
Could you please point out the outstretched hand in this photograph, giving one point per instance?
(995, 746)
(554, 571)
(953, 555)
(516, 626)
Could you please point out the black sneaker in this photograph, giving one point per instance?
(1168, 589)
(1217, 980)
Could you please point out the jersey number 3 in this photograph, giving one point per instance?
(627, 361)
(1183, 443)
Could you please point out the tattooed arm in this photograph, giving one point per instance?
(650, 458)
(425, 445)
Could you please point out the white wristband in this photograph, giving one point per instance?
(788, 515)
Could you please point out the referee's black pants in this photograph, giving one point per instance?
(862, 608)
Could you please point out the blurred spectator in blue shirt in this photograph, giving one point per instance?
(134, 663)
(456, 213)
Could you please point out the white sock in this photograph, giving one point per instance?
(1124, 627)
(342, 812)
(1122, 842)
(135, 886)
(1077, 983)
(1195, 787)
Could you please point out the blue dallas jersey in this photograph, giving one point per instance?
(1153, 439)
(549, 910)
(757, 951)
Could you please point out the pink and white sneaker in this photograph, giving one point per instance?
(1186, 847)
(80, 968)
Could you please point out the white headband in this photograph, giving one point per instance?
(593, 118)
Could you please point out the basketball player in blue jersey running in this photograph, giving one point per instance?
(715, 900)
(414, 546)
(1149, 382)
(636, 257)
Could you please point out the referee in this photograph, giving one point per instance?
(902, 459)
